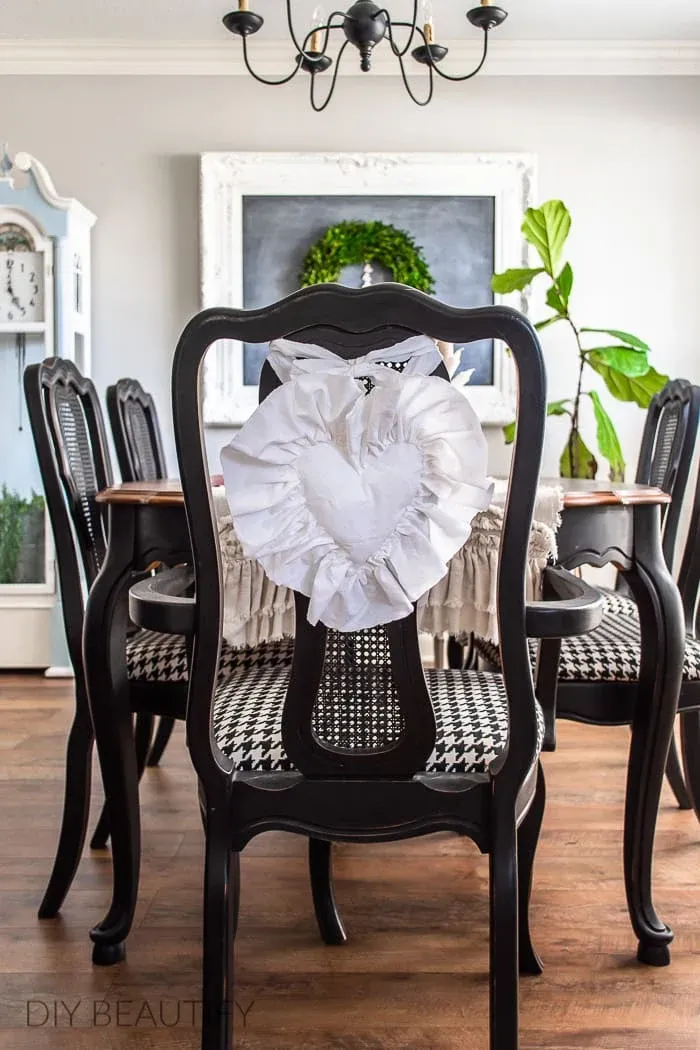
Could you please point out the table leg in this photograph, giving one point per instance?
(662, 631)
(104, 653)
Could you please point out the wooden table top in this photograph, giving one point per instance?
(577, 493)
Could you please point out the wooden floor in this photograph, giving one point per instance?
(414, 973)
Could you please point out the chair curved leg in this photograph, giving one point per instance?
(660, 674)
(690, 749)
(221, 894)
(142, 742)
(455, 653)
(676, 780)
(460, 657)
(76, 809)
(143, 735)
(100, 836)
(163, 734)
(503, 900)
(104, 654)
(320, 869)
(528, 836)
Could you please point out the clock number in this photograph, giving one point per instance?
(32, 302)
(36, 290)
(32, 277)
(21, 269)
(10, 316)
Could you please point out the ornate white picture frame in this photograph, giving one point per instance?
(227, 178)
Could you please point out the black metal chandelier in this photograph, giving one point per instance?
(364, 25)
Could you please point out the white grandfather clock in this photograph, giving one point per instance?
(44, 312)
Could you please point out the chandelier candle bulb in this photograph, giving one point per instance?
(428, 21)
(242, 5)
(319, 19)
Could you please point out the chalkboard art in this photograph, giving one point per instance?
(455, 236)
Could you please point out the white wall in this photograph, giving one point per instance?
(623, 153)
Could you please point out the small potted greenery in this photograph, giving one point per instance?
(21, 537)
(623, 364)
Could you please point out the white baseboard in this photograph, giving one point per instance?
(59, 672)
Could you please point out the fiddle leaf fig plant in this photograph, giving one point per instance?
(622, 364)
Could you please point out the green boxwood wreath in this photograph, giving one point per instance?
(349, 243)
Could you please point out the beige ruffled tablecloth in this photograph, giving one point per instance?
(257, 610)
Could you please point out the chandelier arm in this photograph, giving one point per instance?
(400, 52)
(262, 80)
(312, 95)
(326, 30)
(467, 76)
(323, 29)
(290, 24)
(404, 77)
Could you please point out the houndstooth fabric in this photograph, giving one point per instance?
(153, 657)
(368, 383)
(610, 653)
(471, 715)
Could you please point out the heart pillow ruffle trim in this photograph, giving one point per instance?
(357, 501)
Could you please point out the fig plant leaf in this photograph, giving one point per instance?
(554, 408)
(624, 337)
(621, 359)
(514, 280)
(623, 367)
(546, 229)
(541, 325)
(639, 389)
(608, 441)
(577, 460)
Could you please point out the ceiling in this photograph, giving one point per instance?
(201, 19)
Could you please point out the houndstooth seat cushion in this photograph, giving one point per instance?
(153, 657)
(471, 715)
(610, 653)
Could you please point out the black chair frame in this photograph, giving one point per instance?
(666, 464)
(64, 409)
(133, 420)
(614, 703)
(665, 460)
(363, 796)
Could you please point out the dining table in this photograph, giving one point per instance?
(595, 523)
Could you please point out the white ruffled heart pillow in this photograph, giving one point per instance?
(357, 501)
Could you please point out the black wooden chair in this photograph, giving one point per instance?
(68, 430)
(133, 420)
(598, 674)
(436, 750)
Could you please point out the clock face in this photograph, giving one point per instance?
(21, 287)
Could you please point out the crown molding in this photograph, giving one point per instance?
(206, 58)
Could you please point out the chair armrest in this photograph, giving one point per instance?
(576, 608)
(164, 602)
